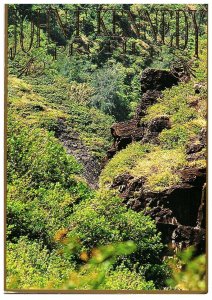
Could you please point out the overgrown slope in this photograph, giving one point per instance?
(63, 230)
(159, 158)
(49, 203)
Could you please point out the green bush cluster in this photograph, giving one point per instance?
(105, 220)
(30, 265)
(99, 273)
(188, 271)
(47, 198)
(124, 279)
(42, 183)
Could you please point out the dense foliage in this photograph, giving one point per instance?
(61, 234)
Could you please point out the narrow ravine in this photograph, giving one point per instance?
(75, 146)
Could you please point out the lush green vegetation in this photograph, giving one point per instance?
(44, 189)
(61, 234)
(188, 271)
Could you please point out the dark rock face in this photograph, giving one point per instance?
(177, 210)
(184, 236)
(197, 144)
(153, 79)
(124, 133)
(154, 127)
(152, 83)
(148, 98)
(196, 148)
(158, 124)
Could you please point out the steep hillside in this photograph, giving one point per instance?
(54, 220)
(157, 162)
(83, 131)
(156, 167)
(106, 152)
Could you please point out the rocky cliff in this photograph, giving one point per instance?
(153, 82)
(180, 209)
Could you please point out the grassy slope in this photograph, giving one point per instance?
(42, 104)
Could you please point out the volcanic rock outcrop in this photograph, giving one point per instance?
(179, 211)
(153, 82)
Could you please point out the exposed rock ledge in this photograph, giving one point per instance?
(153, 82)
(179, 211)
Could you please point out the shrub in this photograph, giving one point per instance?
(42, 184)
(80, 92)
(97, 271)
(32, 266)
(124, 279)
(35, 153)
(105, 220)
(188, 271)
(110, 91)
